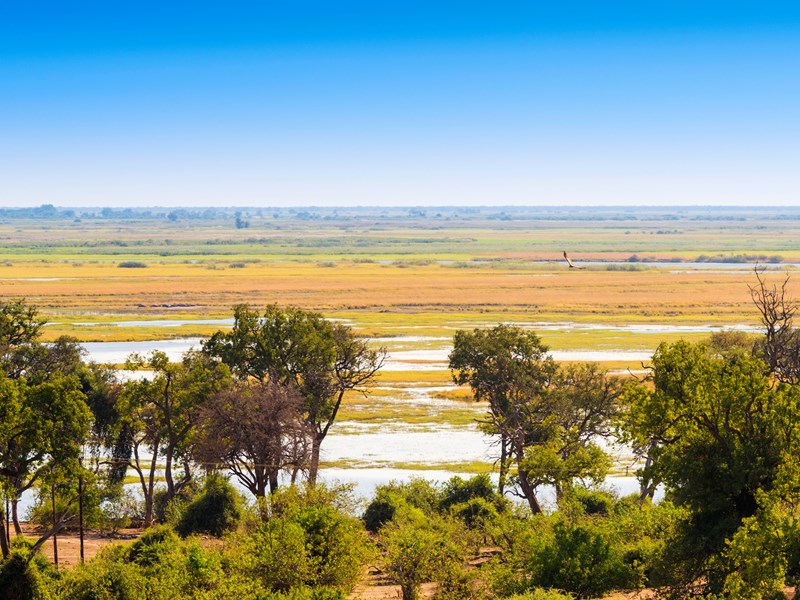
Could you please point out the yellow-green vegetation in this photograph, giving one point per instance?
(410, 279)
(396, 274)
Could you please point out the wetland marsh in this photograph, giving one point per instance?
(407, 282)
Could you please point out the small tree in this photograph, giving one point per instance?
(42, 430)
(159, 413)
(255, 431)
(781, 344)
(417, 548)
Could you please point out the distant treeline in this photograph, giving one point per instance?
(444, 213)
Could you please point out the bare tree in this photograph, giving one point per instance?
(255, 430)
(781, 344)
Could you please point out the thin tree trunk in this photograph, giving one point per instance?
(501, 485)
(14, 517)
(647, 489)
(151, 482)
(3, 540)
(313, 468)
(273, 481)
(168, 472)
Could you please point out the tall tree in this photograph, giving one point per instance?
(295, 347)
(42, 428)
(160, 413)
(582, 402)
(548, 419)
(505, 366)
(718, 431)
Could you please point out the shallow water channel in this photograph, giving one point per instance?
(369, 454)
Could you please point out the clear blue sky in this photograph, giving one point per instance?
(399, 103)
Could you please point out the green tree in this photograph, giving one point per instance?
(582, 402)
(42, 430)
(505, 366)
(548, 418)
(716, 430)
(417, 548)
(295, 347)
(20, 327)
(160, 412)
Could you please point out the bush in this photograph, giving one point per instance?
(593, 502)
(216, 510)
(475, 513)
(101, 578)
(23, 577)
(154, 544)
(474, 501)
(583, 562)
(417, 492)
(417, 548)
(307, 541)
(459, 491)
(382, 509)
(132, 264)
(275, 555)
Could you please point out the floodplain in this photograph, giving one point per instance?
(407, 279)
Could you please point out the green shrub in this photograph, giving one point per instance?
(100, 578)
(459, 491)
(382, 509)
(216, 510)
(581, 561)
(417, 492)
(23, 577)
(475, 513)
(154, 545)
(132, 264)
(593, 502)
(308, 541)
(418, 547)
(275, 555)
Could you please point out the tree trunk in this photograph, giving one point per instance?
(529, 492)
(168, 473)
(314, 465)
(647, 489)
(148, 497)
(501, 485)
(14, 518)
(3, 540)
(410, 592)
(273, 481)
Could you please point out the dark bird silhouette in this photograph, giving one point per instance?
(569, 262)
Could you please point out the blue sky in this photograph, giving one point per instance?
(399, 103)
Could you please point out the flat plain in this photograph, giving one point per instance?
(408, 279)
